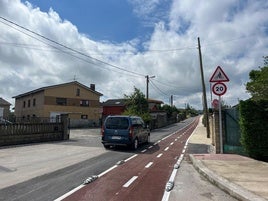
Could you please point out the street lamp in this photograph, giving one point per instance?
(147, 85)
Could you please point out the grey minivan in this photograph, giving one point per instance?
(124, 131)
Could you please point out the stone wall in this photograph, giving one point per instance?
(215, 132)
(26, 133)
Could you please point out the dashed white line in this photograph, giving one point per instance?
(159, 155)
(130, 181)
(171, 143)
(143, 150)
(100, 175)
(166, 148)
(149, 165)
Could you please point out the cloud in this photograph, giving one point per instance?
(233, 35)
(150, 12)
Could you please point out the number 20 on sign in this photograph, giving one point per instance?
(219, 88)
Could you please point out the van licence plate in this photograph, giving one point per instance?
(116, 137)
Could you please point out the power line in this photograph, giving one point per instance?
(66, 47)
(154, 85)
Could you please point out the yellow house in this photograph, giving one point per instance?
(79, 101)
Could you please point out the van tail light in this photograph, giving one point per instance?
(102, 131)
(131, 132)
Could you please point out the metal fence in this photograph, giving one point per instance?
(232, 131)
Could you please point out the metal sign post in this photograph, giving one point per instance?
(220, 125)
(219, 88)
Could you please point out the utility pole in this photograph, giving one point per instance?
(205, 107)
(147, 85)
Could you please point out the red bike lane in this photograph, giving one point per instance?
(143, 176)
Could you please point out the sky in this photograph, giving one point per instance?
(114, 44)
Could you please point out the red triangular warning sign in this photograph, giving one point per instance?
(219, 76)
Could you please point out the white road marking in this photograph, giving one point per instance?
(100, 175)
(166, 148)
(143, 150)
(172, 177)
(69, 193)
(130, 181)
(150, 147)
(131, 157)
(159, 155)
(149, 165)
(106, 171)
(171, 143)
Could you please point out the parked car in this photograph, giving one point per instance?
(124, 131)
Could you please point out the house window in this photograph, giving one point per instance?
(84, 116)
(84, 103)
(24, 104)
(61, 101)
(34, 102)
(77, 92)
(29, 103)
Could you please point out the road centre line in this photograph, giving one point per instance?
(150, 147)
(159, 155)
(143, 150)
(166, 148)
(149, 165)
(171, 143)
(130, 181)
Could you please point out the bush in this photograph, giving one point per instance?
(254, 128)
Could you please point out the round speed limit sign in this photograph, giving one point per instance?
(219, 88)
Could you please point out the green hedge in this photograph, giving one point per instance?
(254, 128)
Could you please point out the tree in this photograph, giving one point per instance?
(136, 104)
(169, 109)
(258, 84)
(190, 111)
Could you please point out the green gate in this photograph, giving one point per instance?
(232, 132)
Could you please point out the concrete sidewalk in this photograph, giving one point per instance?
(242, 177)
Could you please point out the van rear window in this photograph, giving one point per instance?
(117, 123)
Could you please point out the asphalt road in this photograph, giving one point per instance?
(51, 185)
(70, 172)
(144, 176)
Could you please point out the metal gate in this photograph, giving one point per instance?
(232, 132)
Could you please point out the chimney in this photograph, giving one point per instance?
(92, 87)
